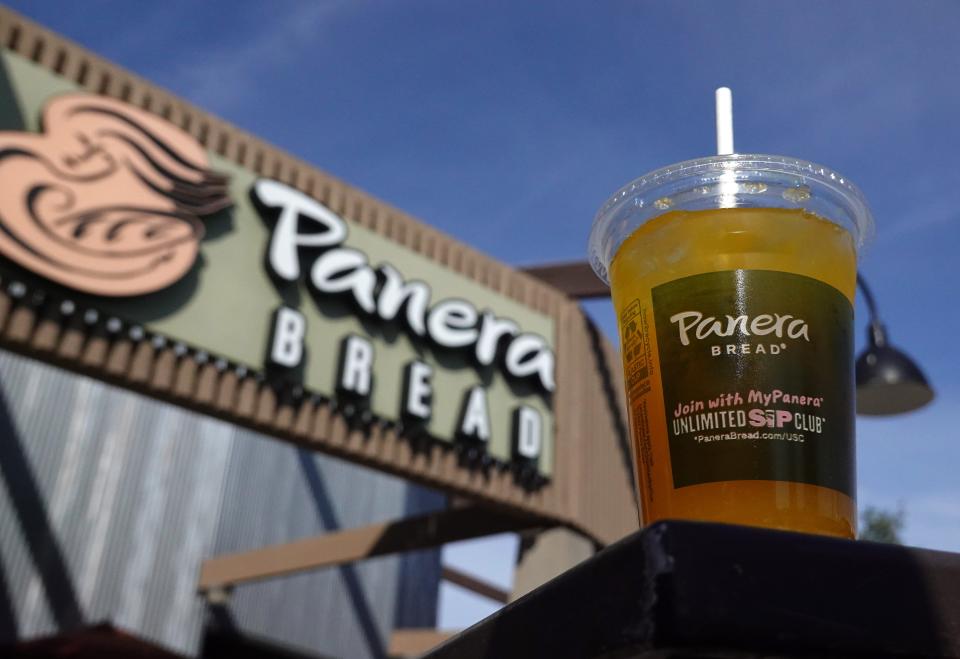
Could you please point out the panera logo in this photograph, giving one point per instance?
(694, 323)
(107, 199)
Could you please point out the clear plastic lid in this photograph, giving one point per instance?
(731, 181)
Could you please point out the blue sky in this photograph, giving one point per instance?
(507, 124)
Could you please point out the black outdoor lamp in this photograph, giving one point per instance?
(888, 381)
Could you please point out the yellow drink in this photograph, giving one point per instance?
(680, 244)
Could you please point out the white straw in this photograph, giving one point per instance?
(724, 99)
(728, 180)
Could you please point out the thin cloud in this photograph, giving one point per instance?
(922, 219)
(227, 76)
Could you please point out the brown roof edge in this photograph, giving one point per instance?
(574, 278)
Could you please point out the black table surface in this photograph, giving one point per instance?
(685, 589)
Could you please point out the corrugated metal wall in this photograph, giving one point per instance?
(109, 502)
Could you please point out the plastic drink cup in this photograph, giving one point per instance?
(733, 280)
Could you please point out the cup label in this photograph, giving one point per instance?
(757, 375)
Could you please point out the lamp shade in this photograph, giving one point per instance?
(889, 382)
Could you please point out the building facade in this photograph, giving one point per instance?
(241, 396)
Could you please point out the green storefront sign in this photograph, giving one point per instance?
(283, 286)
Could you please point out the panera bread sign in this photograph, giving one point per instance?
(112, 202)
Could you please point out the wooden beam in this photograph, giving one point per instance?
(423, 532)
(575, 278)
(474, 584)
(414, 642)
